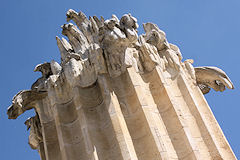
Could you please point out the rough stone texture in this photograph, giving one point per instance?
(120, 96)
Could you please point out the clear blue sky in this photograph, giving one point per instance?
(207, 31)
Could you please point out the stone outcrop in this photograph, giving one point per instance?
(117, 95)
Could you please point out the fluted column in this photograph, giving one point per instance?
(121, 142)
(88, 101)
(49, 132)
(67, 122)
(158, 141)
(211, 132)
(181, 124)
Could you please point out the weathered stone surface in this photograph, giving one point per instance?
(117, 95)
(213, 77)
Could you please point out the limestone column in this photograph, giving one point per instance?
(210, 130)
(68, 126)
(120, 139)
(143, 120)
(49, 132)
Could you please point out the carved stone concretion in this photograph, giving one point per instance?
(190, 69)
(212, 77)
(169, 53)
(35, 137)
(44, 68)
(76, 39)
(149, 56)
(155, 36)
(116, 37)
(82, 22)
(117, 95)
(65, 49)
(55, 67)
(129, 25)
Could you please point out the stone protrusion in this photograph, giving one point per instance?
(35, 137)
(212, 77)
(24, 100)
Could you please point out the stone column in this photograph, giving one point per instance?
(211, 132)
(120, 139)
(49, 132)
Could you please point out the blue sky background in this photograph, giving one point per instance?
(207, 31)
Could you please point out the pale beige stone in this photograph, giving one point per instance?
(119, 96)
